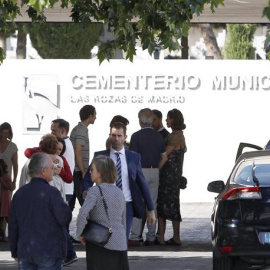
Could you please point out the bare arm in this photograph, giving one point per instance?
(14, 160)
(164, 157)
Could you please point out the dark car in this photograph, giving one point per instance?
(240, 221)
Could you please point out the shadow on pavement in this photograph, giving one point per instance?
(180, 263)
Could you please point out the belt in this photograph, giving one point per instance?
(150, 167)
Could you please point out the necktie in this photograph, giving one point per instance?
(118, 167)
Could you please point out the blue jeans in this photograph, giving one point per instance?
(40, 263)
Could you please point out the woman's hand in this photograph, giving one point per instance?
(82, 240)
(13, 185)
(57, 170)
(84, 194)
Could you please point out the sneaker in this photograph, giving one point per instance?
(68, 261)
(75, 241)
(134, 243)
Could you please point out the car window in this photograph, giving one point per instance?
(259, 168)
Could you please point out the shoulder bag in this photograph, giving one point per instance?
(96, 233)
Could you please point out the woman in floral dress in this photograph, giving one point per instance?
(168, 203)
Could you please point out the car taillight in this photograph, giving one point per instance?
(243, 193)
(226, 249)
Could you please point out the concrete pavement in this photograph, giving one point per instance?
(195, 252)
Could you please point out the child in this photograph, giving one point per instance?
(5, 194)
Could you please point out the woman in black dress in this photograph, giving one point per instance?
(168, 203)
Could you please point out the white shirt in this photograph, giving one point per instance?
(124, 171)
(70, 157)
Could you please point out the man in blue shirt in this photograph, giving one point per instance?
(38, 218)
(151, 146)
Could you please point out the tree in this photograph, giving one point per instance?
(239, 43)
(210, 41)
(266, 13)
(156, 23)
(10, 30)
(64, 40)
(21, 42)
(184, 45)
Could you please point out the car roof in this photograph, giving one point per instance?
(253, 154)
(250, 155)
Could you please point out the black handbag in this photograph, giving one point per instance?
(96, 233)
(183, 182)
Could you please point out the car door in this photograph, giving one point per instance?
(243, 145)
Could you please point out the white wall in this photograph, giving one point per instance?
(217, 120)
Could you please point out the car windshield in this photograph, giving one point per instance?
(253, 170)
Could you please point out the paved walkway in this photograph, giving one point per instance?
(195, 252)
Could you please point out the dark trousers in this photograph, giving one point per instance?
(77, 179)
(129, 217)
(70, 249)
(100, 258)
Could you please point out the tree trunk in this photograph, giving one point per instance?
(184, 50)
(21, 43)
(210, 41)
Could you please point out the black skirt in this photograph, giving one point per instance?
(99, 258)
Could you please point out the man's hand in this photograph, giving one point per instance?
(151, 217)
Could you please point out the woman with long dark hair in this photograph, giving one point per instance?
(168, 203)
(9, 151)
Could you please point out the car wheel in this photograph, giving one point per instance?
(222, 262)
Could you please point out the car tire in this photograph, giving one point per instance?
(222, 262)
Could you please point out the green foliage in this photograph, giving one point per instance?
(64, 40)
(154, 23)
(157, 23)
(8, 12)
(239, 43)
(2, 55)
(8, 30)
(266, 13)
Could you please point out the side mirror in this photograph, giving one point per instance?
(216, 186)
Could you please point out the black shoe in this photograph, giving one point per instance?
(148, 243)
(68, 261)
(74, 241)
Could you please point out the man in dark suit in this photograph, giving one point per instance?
(134, 186)
(157, 123)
